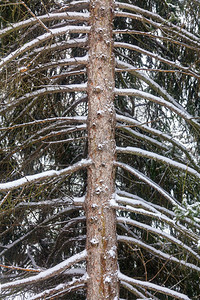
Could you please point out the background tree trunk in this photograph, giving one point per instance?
(101, 219)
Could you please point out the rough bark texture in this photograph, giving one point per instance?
(101, 219)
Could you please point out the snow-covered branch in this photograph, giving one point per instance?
(75, 284)
(152, 286)
(41, 39)
(154, 85)
(75, 6)
(71, 120)
(60, 63)
(133, 290)
(160, 233)
(29, 179)
(142, 137)
(44, 91)
(159, 158)
(78, 42)
(158, 18)
(45, 18)
(158, 253)
(155, 99)
(186, 70)
(159, 134)
(155, 208)
(146, 210)
(58, 269)
(150, 182)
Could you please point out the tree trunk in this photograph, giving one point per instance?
(101, 219)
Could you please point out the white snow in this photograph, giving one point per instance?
(160, 233)
(155, 99)
(107, 279)
(112, 252)
(153, 287)
(41, 39)
(155, 156)
(44, 175)
(47, 273)
(94, 241)
(150, 182)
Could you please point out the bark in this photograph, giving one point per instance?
(101, 218)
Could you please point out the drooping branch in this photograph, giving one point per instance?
(58, 269)
(173, 64)
(40, 39)
(157, 208)
(160, 233)
(158, 253)
(160, 158)
(160, 134)
(136, 292)
(44, 91)
(75, 61)
(147, 210)
(152, 286)
(73, 285)
(154, 85)
(158, 100)
(150, 182)
(166, 24)
(71, 120)
(29, 179)
(45, 18)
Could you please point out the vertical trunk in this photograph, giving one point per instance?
(101, 219)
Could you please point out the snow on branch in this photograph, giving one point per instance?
(60, 63)
(58, 269)
(146, 210)
(155, 99)
(42, 38)
(160, 158)
(77, 119)
(44, 175)
(152, 286)
(133, 290)
(64, 201)
(47, 90)
(150, 182)
(160, 233)
(158, 253)
(143, 137)
(57, 133)
(154, 85)
(75, 42)
(186, 70)
(155, 208)
(158, 18)
(45, 18)
(75, 284)
(160, 134)
(131, 207)
(75, 6)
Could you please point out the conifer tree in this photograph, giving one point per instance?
(99, 149)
